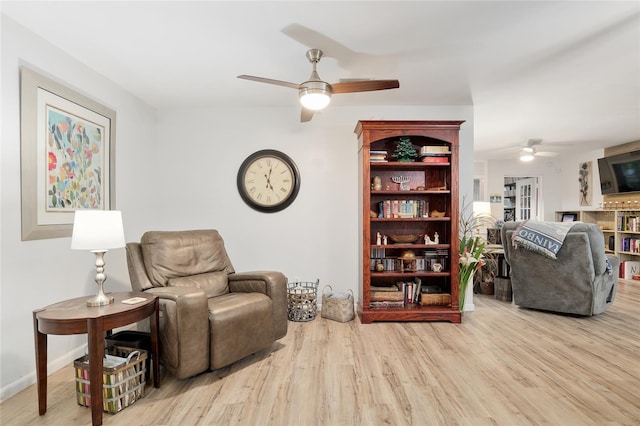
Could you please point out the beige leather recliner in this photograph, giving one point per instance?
(210, 316)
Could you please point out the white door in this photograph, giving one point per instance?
(527, 199)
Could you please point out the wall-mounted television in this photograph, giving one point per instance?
(620, 173)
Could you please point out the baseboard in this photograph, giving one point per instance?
(24, 382)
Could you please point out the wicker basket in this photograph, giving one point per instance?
(435, 299)
(301, 300)
(337, 306)
(123, 378)
(502, 289)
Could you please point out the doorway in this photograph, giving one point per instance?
(522, 198)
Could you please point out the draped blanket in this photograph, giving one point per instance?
(545, 238)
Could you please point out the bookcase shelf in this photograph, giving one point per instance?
(616, 225)
(431, 197)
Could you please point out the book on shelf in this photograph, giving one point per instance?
(377, 156)
(411, 290)
(384, 288)
(386, 304)
(431, 149)
(403, 209)
(629, 268)
(629, 223)
(389, 293)
(377, 253)
(631, 245)
(435, 159)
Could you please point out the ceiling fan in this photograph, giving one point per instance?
(315, 94)
(528, 152)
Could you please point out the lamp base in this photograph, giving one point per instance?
(100, 300)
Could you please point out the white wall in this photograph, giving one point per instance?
(34, 274)
(176, 169)
(316, 237)
(558, 180)
(569, 166)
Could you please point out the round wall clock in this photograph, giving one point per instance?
(268, 180)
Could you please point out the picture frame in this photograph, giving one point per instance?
(67, 155)
(569, 217)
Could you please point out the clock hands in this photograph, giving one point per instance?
(269, 180)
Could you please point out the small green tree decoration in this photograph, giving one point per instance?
(404, 151)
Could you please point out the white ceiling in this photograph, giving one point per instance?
(567, 72)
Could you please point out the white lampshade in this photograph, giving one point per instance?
(315, 95)
(97, 230)
(481, 208)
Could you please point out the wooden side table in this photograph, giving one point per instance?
(75, 317)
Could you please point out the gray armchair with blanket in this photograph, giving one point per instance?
(210, 316)
(582, 280)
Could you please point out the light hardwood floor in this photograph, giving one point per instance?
(501, 366)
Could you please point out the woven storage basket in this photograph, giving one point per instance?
(337, 306)
(435, 299)
(123, 381)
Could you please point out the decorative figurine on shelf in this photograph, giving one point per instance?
(377, 183)
(384, 239)
(404, 151)
(403, 181)
(378, 238)
(429, 241)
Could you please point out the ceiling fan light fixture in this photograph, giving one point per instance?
(527, 155)
(315, 95)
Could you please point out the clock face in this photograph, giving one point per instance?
(268, 180)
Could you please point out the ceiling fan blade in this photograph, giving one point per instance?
(364, 86)
(269, 81)
(547, 154)
(306, 115)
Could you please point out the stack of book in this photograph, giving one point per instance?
(434, 154)
(378, 156)
(399, 294)
(385, 296)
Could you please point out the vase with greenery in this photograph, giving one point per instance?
(472, 247)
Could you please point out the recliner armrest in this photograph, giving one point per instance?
(266, 282)
(184, 329)
(271, 283)
(615, 263)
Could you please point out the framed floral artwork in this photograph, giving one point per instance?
(585, 177)
(67, 156)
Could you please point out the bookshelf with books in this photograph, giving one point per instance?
(409, 221)
(621, 231)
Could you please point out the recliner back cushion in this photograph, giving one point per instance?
(213, 283)
(174, 254)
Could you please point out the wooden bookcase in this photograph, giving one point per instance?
(432, 186)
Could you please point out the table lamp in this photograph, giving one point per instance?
(98, 231)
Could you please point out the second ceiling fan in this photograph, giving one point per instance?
(315, 94)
